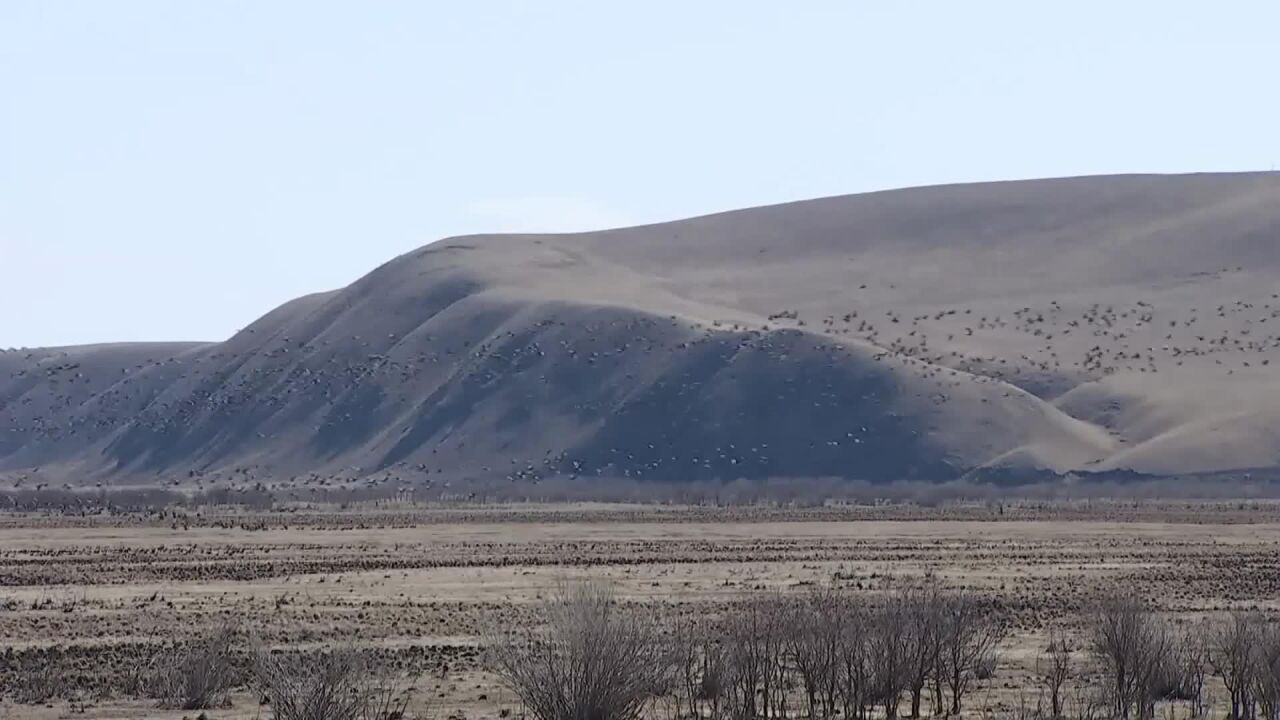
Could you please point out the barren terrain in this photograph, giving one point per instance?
(85, 602)
(1109, 325)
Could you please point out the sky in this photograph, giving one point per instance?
(173, 170)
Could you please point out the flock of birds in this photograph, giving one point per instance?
(347, 388)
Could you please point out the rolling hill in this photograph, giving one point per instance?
(1015, 330)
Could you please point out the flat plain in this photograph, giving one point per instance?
(86, 602)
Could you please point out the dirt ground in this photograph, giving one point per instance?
(88, 600)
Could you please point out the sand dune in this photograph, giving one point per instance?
(1127, 323)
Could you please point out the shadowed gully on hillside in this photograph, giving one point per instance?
(1012, 330)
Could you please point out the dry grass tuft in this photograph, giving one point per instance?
(198, 677)
(336, 685)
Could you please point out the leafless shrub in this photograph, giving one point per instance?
(850, 672)
(967, 638)
(1181, 676)
(1053, 669)
(1024, 710)
(889, 646)
(1087, 705)
(198, 676)
(755, 651)
(1133, 645)
(594, 659)
(1229, 644)
(814, 647)
(1267, 671)
(842, 657)
(832, 653)
(699, 665)
(335, 685)
(923, 608)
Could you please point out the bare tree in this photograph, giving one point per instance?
(699, 665)
(1267, 671)
(756, 662)
(853, 661)
(593, 660)
(889, 647)
(1229, 645)
(967, 637)
(1152, 658)
(924, 608)
(1053, 668)
(1132, 644)
(829, 654)
(1183, 672)
(813, 646)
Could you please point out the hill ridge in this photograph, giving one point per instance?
(1076, 325)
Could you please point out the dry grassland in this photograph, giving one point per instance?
(87, 603)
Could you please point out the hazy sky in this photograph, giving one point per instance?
(172, 170)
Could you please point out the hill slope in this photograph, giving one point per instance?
(1082, 324)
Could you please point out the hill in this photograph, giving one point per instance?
(1121, 324)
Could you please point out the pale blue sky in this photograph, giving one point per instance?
(172, 170)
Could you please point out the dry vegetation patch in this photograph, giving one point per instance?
(119, 618)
